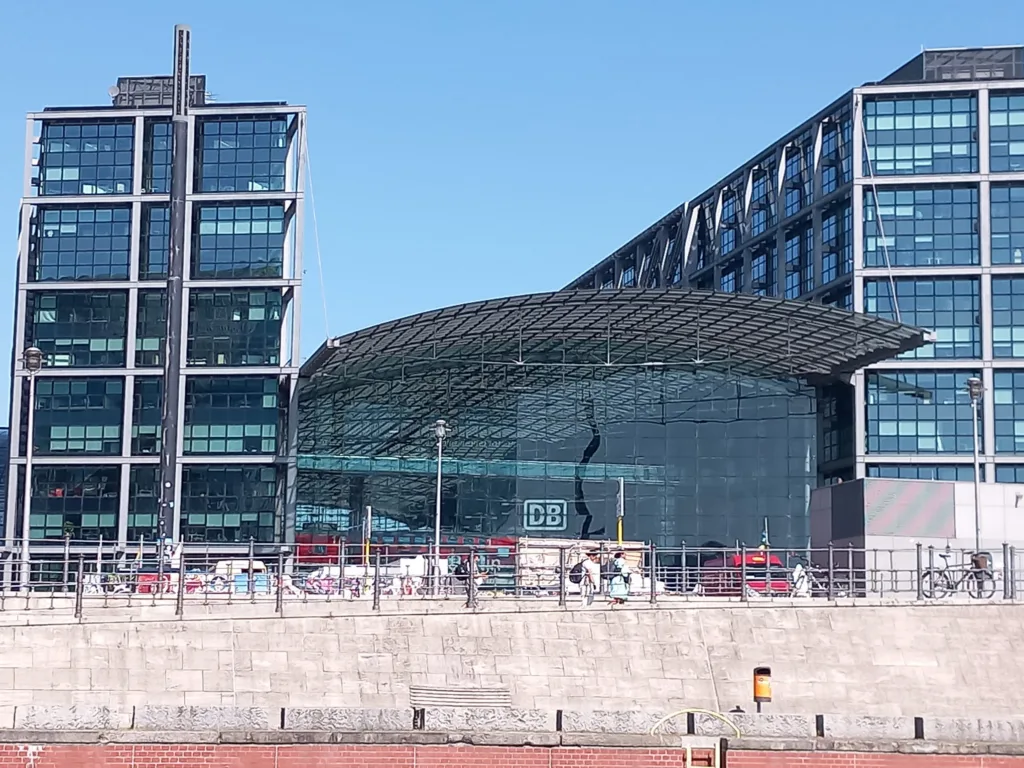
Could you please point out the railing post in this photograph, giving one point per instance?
(159, 586)
(179, 603)
(743, 573)
(920, 571)
(652, 555)
(79, 586)
(1013, 572)
(831, 571)
(471, 592)
(279, 599)
(561, 577)
(849, 569)
(67, 563)
(376, 582)
(251, 581)
(1006, 571)
(342, 556)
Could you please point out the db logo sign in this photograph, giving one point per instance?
(545, 515)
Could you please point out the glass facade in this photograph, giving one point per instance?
(78, 329)
(1008, 399)
(1006, 132)
(1007, 224)
(80, 243)
(703, 457)
(921, 135)
(950, 307)
(918, 412)
(956, 472)
(918, 227)
(98, 402)
(1008, 317)
(86, 158)
(238, 241)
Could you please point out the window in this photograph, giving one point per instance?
(151, 329)
(1007, 224)
(80, 243)
(76, 501)
(841, 298)
(730, 222)
(241, 154)
(836, 138)
(154, 249)
(763, 265)
(914, 135)
(156, 157)
(949, 306)
(78, 416)
(732, 279)
(81, 329)
(1010, 473)
(1008, 317)
(764, 213)
(919, 412)
(835, 407)
(228, 503)
(235, 327)
(1006, 133)
(86, 158)
(628, 276)
(837, 243)
(1008, 400)
(147, 405)
(961, 472)
(231, 414)
(238, 241)
(799, 179)
(799, 262)
(143, 502)
(921, 227)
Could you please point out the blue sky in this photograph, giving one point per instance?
(467, 149)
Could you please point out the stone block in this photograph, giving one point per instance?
(876, 728)
(968, 729)
(605, 721)
(346, 719)
(148, 718)
(487, 719)
(763, 726)
(73, 718)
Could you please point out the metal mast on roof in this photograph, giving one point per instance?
(175, 276)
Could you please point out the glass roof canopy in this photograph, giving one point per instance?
(736, 333)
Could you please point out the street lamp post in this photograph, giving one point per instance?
(976, 391)
(441, 431)
(32, 360)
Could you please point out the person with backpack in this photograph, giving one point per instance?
(587, 573)
(618, 588)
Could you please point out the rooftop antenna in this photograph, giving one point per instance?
(175, 275)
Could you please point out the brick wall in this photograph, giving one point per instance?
(351, 756)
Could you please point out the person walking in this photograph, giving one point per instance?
(591, 583)
(619, 587)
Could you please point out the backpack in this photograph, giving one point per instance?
(576, 574)
(609, 571)
(462, 571)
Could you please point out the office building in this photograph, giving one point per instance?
(904, 198)
(92, 284)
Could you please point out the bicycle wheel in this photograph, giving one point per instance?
(934, 584)
(981, 584)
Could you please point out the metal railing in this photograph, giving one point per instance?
(92, 575)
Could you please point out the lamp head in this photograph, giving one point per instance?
(441, 429)
(32, 358)
(975, 388)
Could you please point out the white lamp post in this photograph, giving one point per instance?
(441, 431)
(32, 360)
(976, 391)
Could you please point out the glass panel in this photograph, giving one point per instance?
(1010, 473)
(144, 502)
(228, 503)
(147, 403)
(80, 243)
(235, 327)
(1007, 317)
(86, 158)
(156, 157)
(81, 329)
(921, 226)
(921, 135)
(238, 241)
(231, 414)
(961, 472)
(1007, 224)
(949, 306)
(919, 412)
(241, 154)
(78, 416)
(151, 329)
(1008, 399)
(1006, 133)
(799, 246)
(154, 248)
(837, 243)
(76, 501)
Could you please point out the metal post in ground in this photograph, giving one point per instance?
(561, 577)
(279, 599)
(250, 582)
(743, 573)
(1013, 573)
(1007, 592)
(831, 570)
(652, 561)
(376, 582)
(79, 586)
(179, 602)
(66, 579)
(919, 573)
(471, 583)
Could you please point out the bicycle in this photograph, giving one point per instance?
(978, 578)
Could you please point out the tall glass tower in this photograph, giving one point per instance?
(92, 284)
(903, 198)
